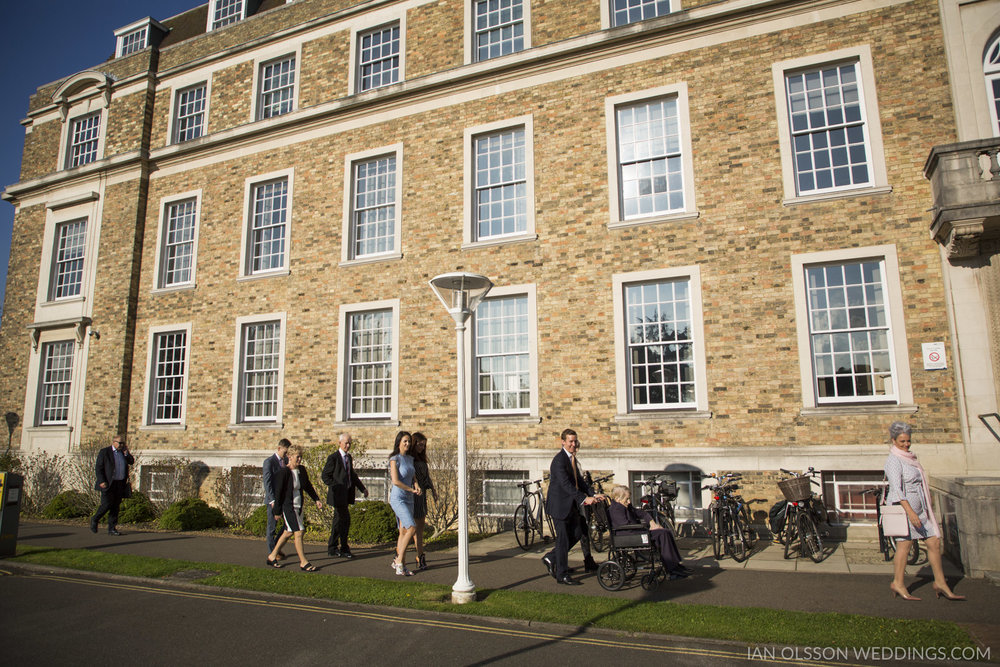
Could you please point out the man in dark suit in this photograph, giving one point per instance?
(272, 464)
(568, 493)
(339, 475)
(111, 469)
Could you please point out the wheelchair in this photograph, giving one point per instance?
(628, 552)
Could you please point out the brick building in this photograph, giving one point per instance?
(707, 224)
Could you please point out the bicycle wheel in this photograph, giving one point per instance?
(610, 576)
(790, 531)
(668, 518)
(748, 530)
(716, 534)
(811, 544)
(598, 538)
(522, 528)
(914, 556)
(739, 543)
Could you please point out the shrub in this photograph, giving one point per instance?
(191, 514)
(372, 522)
(69, 505)
(137, 509)
(256, 524)
(237, 490)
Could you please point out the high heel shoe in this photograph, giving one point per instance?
(903, 594)
(947, 595)
(421, 563)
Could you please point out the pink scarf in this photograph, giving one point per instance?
(910, 459)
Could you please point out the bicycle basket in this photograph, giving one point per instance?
(668, 487)
(796, 489)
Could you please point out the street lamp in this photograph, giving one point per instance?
(461, 293)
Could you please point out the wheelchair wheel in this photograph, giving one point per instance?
(627, 561)
(522, 528)
(610, 576)
(650, 581)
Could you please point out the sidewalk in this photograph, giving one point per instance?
(843, 582)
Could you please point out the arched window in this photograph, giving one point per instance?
(991, 71)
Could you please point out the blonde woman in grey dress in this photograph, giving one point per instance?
(908, 487)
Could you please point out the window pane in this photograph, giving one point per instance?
(502, 355)
(499, 28)
(378, 58)
(277, 87)
(370, 373)
(267, 226)
(169, 361)
(649, 158)
(828, 130)
(55, 379)
(630, 11)
(178, 243)
(190, 121)
(260, 359)
(374, 206)
(500, 184)
(67, 269)
(848, 326)
(660, 344)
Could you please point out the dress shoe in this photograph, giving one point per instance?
(346, 554)
(114, 532)
(569, 581)
(549, 566)
(93, 526)
(335, 553)
(678, 574)
(683, 569)
(590, 565)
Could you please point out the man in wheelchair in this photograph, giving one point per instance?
(635, 536)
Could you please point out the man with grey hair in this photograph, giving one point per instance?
(340, 476)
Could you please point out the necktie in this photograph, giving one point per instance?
(576, 475)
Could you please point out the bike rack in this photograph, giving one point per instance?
(995, 416)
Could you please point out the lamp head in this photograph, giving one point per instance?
(460, 292)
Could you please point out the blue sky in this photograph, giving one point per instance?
(42, 41)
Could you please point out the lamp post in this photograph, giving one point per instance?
(461, 293)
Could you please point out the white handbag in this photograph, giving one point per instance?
(894, 521)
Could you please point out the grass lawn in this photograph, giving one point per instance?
(750, 625)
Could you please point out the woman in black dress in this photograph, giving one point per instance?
(289, 485)
(423, 476)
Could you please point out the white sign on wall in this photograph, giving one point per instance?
(934, 359)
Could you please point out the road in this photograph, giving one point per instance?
(76, 619)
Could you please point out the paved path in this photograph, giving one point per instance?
(839, 583)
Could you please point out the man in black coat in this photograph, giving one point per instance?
(272, 465)
(111, 470)
(339, 475)
(568, 493)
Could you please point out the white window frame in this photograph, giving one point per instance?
(471, 52)
(607, 14)
(237, 418)
(55, 262)
(69, 145)
(149, 398)
(213, 4)
(472, 391)
(250, 187)
(678, 91)
(43, 349)
(626, 411)
(379, 20)
(470, 237)
(879, 180)
(125, 45)
(175, 111)
(347, 253)
(159, 277)
(991, 75)
(903, 400)
(343, 365)
(259, 65)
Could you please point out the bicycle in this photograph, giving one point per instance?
(657, 499)
(731, 529)
(530, 516)
(886, 544)
(802, 515)
(598, 533)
